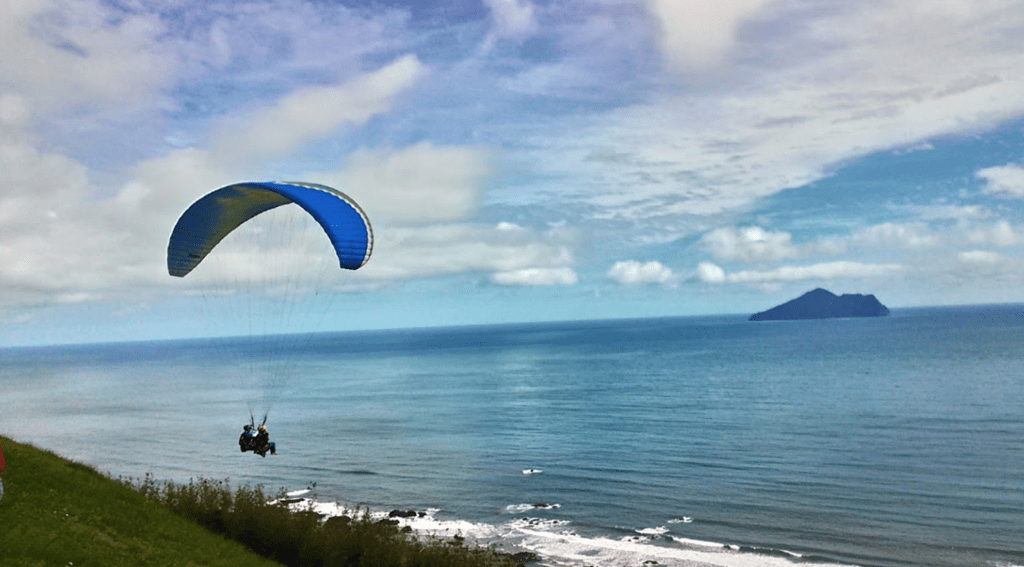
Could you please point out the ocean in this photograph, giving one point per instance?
(681, 441)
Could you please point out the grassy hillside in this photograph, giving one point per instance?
(59, 513)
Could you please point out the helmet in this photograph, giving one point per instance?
(246, 427)
(263, 428)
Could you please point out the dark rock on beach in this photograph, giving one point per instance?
(823, 304)
(522, 557)
(337, 520)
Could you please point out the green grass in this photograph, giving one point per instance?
(56, 512)
(60, 513)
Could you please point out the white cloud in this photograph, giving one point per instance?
(981, 258)
(536, 277)
(509, 226)
(631, 272)
(601, 53)
(66, 53)
(943, 211)
(512, 18)
(277, 37)
(918, 147)
(808, 91)
(311, 113)
(47, 239)
(61, 242)
(711, 273)
(919, 236)
(697, 35)
(1000, 233)
(1004, 180)
(14, 112)
(445, 249)
(419, 184)
(755, 245)
(749, 244)
(158, 192)
(891, 235)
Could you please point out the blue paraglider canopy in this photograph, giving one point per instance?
(215, 215)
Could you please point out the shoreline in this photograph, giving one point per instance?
(554, 540)
(423, 523)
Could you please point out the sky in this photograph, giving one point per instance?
(519, 160)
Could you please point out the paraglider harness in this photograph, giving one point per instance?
(255, 439)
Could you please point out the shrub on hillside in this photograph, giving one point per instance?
(267, 526)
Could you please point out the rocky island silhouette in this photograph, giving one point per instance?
(823, 304)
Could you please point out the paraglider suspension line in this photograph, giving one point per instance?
(252, 419)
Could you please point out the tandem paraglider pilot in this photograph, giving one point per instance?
(263, 443)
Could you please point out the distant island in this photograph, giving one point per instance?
(823, 304)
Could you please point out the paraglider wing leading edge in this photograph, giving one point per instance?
(203, 225)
